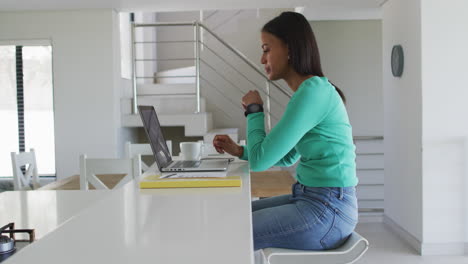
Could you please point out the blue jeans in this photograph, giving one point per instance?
(311, 218)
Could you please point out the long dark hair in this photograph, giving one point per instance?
(295, 31)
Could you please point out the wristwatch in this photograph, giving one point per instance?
(253, 108)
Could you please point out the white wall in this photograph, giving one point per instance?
(425, 129)
(403, 117)
(445, 126)
(84, 67)
(341, 11)
(123, 86)
(176, 50)
(351, 56)
(125, 45)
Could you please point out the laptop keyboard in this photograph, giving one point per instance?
(186, 164)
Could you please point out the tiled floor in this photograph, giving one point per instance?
(386, 247)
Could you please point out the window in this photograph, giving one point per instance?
(28, 119)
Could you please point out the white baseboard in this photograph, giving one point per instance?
(437, 249)
(403, 234)
(427, 249)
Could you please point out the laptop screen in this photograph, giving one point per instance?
(155, 136)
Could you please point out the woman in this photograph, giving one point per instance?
(321, 212)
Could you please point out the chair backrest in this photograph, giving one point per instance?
(89, 168)
(30, 178)
(132, 149)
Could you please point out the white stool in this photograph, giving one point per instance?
(89, 168)
(348, 253)
(132, 149)
(30, 179)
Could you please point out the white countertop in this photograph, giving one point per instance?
(197, 225)
(44, 211)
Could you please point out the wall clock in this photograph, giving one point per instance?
(397, 60)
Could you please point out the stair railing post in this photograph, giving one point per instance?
(197, 63)
(268, 106)
(134, 83)
(202, 17)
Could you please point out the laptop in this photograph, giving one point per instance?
(161, 152)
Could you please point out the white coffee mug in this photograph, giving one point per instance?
(191, 150)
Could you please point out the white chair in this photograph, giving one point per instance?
(89, 168)
(142, 149)
(348, 253)
(30, 179)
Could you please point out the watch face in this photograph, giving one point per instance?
(253, 108)
(397, 60)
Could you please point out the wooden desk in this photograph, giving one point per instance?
(263, 184)
(169, 226)
(271, 183)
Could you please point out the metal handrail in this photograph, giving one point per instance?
(134, 90)
(224, 78)
(222, 95)
(245, 59)
(230, 65)
(175, 59)
(236, 70)
(166, 24)
(197, 63)
(268, 108)
(198, 26)
(227, 45)
(164, 41)
(172, 76)
(134, 77)
(235, 86)
(236, 106)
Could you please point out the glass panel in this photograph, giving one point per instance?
(8, 111)
(38, 102)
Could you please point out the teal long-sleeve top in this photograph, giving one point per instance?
(314, 128)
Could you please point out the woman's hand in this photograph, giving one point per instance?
(223, 143)
(252, 97)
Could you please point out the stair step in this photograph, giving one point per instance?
(166, 89)
(195, 124)
(164, 104)
(182, 104)
(179, 76)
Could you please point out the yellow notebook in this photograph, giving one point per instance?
(154, 181)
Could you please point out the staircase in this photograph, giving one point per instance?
(174, 100)
(195, 97)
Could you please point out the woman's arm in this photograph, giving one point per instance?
(289, 159)
(307, 108)
(286, 161)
